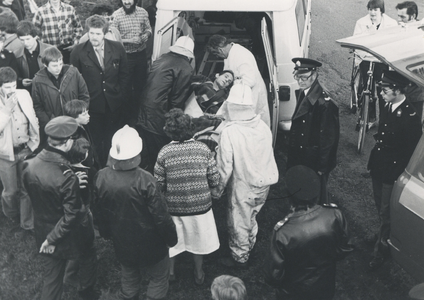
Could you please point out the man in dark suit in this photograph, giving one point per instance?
(398, 133)
(103, 64)
(314, 133)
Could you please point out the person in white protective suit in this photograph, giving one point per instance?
(247, 166)
(243, 64)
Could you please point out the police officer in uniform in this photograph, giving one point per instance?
(314, 133)
(63, 225)
(305, 245)
(398, 134)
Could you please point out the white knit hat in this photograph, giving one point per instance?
(126, 144)
(240, 94)
(184, 46)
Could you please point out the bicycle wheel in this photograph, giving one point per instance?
(355, 84)
(363, 121)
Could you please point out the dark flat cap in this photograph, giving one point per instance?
(61, 127)
(303, 65)
(393, 78)
(303, 183)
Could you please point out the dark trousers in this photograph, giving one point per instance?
(323, 199)
(54, 272)
(137, 65)
(152, 143)
(382, 193)
(102, 128)
(158, 283)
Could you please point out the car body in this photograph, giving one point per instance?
(402, 48)
(284, 30)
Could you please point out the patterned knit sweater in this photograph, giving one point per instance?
(188, 171)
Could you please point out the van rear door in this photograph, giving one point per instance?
(165, 38)
(273, 82)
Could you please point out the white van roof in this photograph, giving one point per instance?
(226, 5)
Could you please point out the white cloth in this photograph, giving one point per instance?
(196, 234)
(242, 62)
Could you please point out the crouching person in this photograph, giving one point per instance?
(63, 225)
(131, 211)
(306, 244)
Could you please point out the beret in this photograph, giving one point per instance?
(393, 78)
(303, 183)
(61, 127)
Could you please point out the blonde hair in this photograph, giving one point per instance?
(226, 287)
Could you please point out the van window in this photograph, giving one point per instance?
(300, 18)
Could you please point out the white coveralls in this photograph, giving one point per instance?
(245, 161)
(242, 62)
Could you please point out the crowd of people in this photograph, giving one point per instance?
(94, 140)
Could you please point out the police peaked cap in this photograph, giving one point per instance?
(62, 127)
(303, 65)
(303, 183)
(393, 78)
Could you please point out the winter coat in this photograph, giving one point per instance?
(397, 136)
(59, 213)
(6, 140)
(314, 133)
(129, 209)
(305, 246)
(49, 101)
(168, 86)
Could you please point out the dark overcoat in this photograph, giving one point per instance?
(397, 136)
(314, 133)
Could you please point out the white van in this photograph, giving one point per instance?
(281, 27)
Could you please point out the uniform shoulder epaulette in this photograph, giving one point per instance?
(326, 96)
(280, 223)
(330, 205)
(411, 110)
(66, 170)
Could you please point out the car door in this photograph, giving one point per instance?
(165, 38)
(273, 86)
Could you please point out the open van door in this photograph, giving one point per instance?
(273, 82)
(165, 38)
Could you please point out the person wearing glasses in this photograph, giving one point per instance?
(315, 129)
(398, 134)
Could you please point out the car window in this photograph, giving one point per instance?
(300, 18)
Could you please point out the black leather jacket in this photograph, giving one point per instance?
(130, 209)
(59, 213)
(304, 249)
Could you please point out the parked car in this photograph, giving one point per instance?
(275, 31)
(402, 48)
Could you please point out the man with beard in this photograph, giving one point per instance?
(133, 24)
(103, 64)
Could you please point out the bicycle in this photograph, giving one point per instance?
(361, 98)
